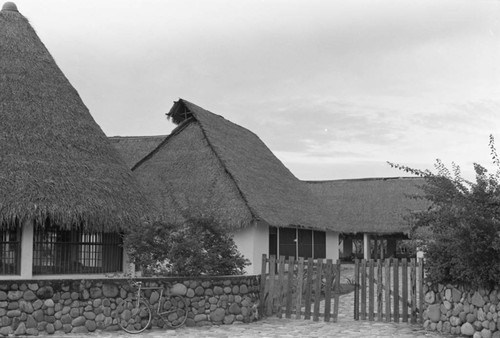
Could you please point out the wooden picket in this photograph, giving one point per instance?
(385, 302)
(305, 289)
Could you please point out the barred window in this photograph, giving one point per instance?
(58, 251)
(10, 251)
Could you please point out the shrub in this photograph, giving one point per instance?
(460, 232)
(196, 247)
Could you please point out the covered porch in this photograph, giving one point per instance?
(374, 246)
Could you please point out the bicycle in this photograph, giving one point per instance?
(135, 314)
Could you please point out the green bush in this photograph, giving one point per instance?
(460, 231)
(196, 247)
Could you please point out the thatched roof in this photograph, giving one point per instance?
(373, 205)
(55, 161)
(213, 167)
(134, 148)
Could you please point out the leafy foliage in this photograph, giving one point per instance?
(460, 232)
(196, 247)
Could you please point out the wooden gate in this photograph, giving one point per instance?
(292, 287)
(389, 286)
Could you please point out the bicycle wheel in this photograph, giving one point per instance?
(174, 311)
(133, 317)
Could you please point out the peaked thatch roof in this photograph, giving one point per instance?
(55, 161)
(373, 205)
(134, 148)
(266, 189)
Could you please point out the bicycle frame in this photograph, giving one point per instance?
(139, 296)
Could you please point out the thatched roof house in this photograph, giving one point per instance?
(211, 167)
(371, 205)
(215, 168)
(55, 162)
(65, 192)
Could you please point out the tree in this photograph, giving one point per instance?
(196, 247)
(461, 228)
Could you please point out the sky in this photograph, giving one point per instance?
(334, 88)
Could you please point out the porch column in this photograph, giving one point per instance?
(128, 266)
(366, 246)
(332, 245)
(347, 252)
(391, 247)
(27, 233)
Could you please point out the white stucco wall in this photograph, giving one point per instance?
(332, 245)
(252, 242)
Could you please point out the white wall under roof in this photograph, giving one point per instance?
(252, 242)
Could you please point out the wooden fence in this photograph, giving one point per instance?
(389, 286)
(302, 288)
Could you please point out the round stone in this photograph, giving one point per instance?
(29, 295)
(178, 289)
(14, 295)
(110, 290)
(217, 315)
(45, 292)
(91, 325)
(430, 297)
(79, 321)
(234, 309)
(485, 333)
(229, 319)
(467, 329)
(455, 321)
(434, 312)
(471, 318)
(477, 300)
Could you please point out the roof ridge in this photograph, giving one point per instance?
(174, 132)
(171, 112)
(135, 137)
(226, 169)
(363, 179)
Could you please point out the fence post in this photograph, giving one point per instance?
(280, 288)
(379, 290)
(310, 267)
(272, 275)
(317, 289)
(337, 288)
(300, 283)
(291, 268)
(371, 291)
(421, 290)
(328, 289)
(413, 292)
(396, 290)
(387, 289)
(356, 289)
(263, 282)
(404, 277)
(363, 289)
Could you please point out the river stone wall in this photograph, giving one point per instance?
(461, 311)
(40, 307)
